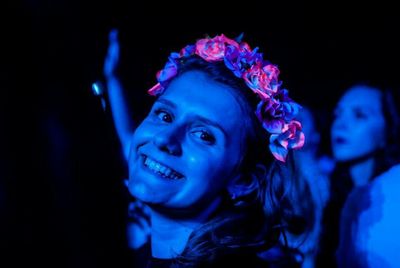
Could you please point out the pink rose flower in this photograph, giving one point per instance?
(291, 138)
(213, 49)
(259, 82)
(272, 73)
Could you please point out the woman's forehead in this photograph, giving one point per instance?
(361, 97)
(193, 92)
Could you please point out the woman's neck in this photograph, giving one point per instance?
(362, 172)
(169, 235)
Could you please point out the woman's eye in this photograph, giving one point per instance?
(164, 116)
(205, 136)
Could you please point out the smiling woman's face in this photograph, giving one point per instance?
(187, 149)
(359, 125)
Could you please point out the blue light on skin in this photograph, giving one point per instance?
(191, 134)
(120, 109)
(358, 130)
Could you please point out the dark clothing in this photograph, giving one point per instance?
(237, 258)
(347, 255)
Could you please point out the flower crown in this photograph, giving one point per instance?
(276, 111)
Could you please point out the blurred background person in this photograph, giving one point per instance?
(364, 138)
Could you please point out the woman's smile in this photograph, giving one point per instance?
(160, 169)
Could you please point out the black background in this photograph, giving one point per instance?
(63, 202)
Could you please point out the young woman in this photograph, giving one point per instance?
(364, 137)
(212, 158)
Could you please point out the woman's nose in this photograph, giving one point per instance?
(340, 123)
(168, 141)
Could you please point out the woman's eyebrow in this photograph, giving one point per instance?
(167, 102)
(364, 108)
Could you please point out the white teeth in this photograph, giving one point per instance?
(167, 172)
(162, 170)
(152, 165)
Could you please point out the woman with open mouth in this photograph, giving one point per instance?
(212, 160)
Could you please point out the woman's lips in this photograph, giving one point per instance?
(160, 168)
(339, 140)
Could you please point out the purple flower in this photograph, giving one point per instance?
(268, 114)
(187, 51)
(289, 108)
(239, 59)
(232, 60)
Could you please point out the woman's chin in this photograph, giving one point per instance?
(140, 191)
(147, 193)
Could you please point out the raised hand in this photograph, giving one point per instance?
(120, 109)
(113, 54)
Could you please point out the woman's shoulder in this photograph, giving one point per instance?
(388, 179)
(384, 187)
(382, 192)
(371, 220)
